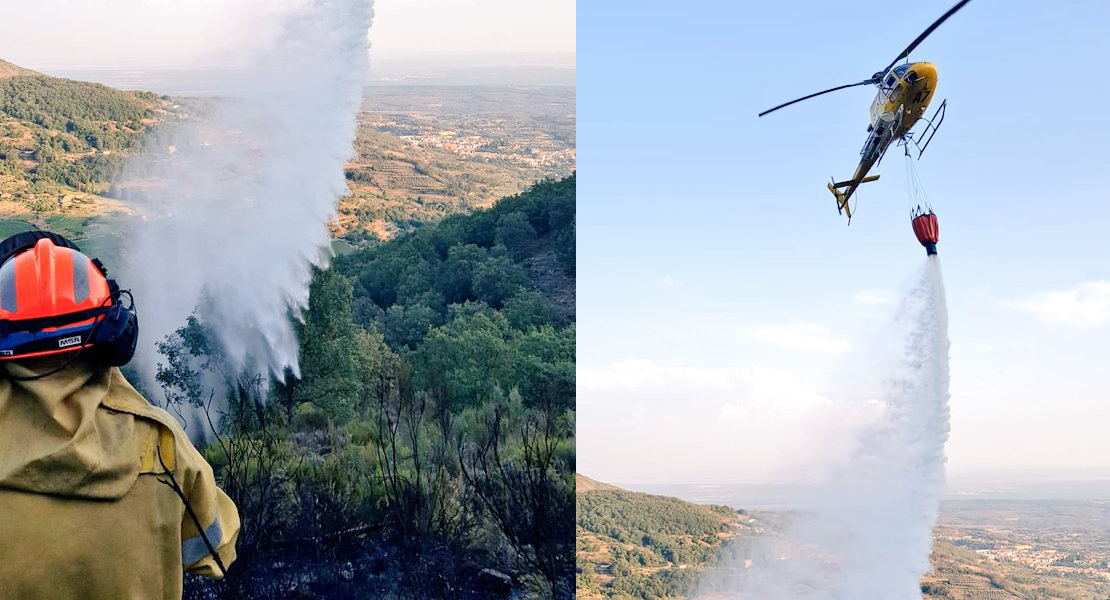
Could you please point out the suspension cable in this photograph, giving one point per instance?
(916, 198)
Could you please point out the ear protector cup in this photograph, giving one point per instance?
(114, 338)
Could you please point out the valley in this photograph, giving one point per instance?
(422, 152)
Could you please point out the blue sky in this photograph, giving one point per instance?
(714, 269)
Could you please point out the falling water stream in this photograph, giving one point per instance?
(233, 197)
(867, 533)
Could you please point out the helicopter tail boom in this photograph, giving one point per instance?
(842, 205)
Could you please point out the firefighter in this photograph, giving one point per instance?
(102, 495)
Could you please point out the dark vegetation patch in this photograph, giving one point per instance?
(427, 450)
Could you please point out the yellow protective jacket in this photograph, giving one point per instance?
(86, 505)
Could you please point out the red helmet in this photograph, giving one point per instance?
(54, 298)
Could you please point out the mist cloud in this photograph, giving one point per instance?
(233, 203)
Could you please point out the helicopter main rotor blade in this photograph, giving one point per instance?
(925, 34)
(771, 110)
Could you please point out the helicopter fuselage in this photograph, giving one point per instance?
(903, 96)
(911, 89)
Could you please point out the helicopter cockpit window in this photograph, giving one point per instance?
(907, 76)
(891, 86)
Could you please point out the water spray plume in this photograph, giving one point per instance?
(867, 534)
(233, 202)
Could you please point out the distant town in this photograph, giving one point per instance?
(527, 126)
(1013, 549)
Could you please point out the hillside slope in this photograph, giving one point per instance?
(626, 549)
(433, 415)
(585, 484)
(516, 258)
(8, 69)
(636, 545)
(61, 141)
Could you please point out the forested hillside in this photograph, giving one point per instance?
(515, 259)
(635, 545)
(61, 141)
(427, 450)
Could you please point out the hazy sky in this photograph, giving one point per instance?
(80, 34)
(407, 28)
(723, 301)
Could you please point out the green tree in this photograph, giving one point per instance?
(336, 356)
(496, 279)
(528, 308)
(463, 361)
(406, 326)
(516, 233)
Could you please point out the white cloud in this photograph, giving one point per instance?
(642, 421)
(668, 281)
(636, 373)
(802, 336)
(772, 389)
(874, 297)
(733, 412)
(1085, 305)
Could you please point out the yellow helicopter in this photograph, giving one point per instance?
(904, 93)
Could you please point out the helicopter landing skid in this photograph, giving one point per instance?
(931, 127)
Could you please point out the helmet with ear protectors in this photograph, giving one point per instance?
(54, 299)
